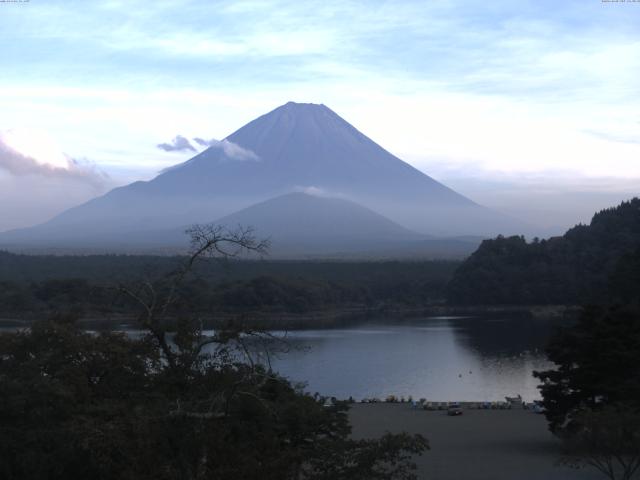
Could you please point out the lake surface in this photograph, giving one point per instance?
(438, 358)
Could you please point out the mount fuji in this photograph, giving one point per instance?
(304, 148)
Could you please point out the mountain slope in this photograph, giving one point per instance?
(292, 148)
(301, 223)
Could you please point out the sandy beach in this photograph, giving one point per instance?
(479, 445)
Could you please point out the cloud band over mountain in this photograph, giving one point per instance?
(231, 150)
(18, 164)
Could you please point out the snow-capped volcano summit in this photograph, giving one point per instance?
(306, 145)
(296, 147)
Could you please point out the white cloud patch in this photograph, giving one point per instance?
(231, 150)
(19, 158)
(313, 191)
(202, 142)
(39, 181)
(316, 191)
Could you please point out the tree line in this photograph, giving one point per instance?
(588, 264)
(234, 286)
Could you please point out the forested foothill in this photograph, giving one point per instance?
(589, 264)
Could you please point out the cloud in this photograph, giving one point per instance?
(312, 190)
(316, 191)
(205, 143)
(235, 151)
(178, 144)
(461, 80)
(18, 164)
(37, 186)
(231, 150)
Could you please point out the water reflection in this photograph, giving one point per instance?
(438, 358)
(441, 359)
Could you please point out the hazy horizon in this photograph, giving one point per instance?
(529, 109)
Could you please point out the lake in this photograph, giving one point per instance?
(438, 358)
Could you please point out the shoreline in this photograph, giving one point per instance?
(477, 445)
(323, 319)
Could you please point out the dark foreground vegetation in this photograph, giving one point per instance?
(76, 405)
(570, 270)
(592, 397)
(177, 405)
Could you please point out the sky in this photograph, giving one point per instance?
(528, 107)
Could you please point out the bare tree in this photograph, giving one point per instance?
(157, 297)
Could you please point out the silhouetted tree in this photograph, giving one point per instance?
(608, 440)
(596, 363)
(174, 403)
(592, 397)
